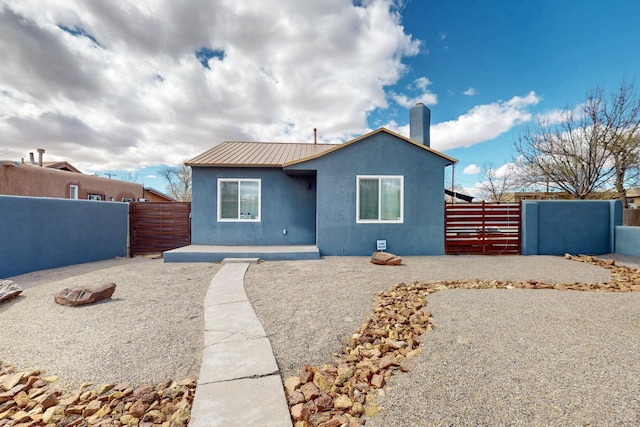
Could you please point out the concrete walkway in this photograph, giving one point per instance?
(239, 384)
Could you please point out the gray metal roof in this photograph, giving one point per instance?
(275, 154)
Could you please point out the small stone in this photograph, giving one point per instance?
(299, 412)
(296, 397)
(307, 374)
(48, 399)
(138, 409)
(70, 420)
(357, 409)
(323, 383)
(9, 290)
(104, 388)
(310, 391)
(21, 417)
(291, 383)
(22, 399)
(91, 408)
(324, 402)
(53, 415)
(333, 422)
(90, 294)
(377, 380)
(10, 381)
(154, 416)
(385, 258)
(146, 394)
(342, 402)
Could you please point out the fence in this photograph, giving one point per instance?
(488, 229)
(158, 227)
(631, 217)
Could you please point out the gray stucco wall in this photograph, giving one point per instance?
(422, 232)
(628, 240)
(41, 233)
(288, 203)
(556, 227)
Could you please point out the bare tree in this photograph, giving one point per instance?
(588, 147)
(178, 181)
(131, 176)
(622, 113)
(496, 184)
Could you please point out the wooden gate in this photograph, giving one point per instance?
(156, 227)
(486, 228)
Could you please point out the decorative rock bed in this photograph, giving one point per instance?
(343, 393)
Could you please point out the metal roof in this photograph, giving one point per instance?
(278, 154)
(275, 154)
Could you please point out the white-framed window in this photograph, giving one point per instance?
(380, 199)
(95, 197)
(239, 199)
(73, 191)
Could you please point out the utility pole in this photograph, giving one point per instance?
(110, 174)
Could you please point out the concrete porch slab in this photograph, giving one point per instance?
(215, 253)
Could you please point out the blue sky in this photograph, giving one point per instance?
(132, 85)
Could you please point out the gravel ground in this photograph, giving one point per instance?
(149, 331)
(510, 357)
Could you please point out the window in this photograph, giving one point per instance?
(380, 199)
(95, 196)
(73, 191)
(239, 200)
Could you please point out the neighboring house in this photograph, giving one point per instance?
(342, 198)
(62, 180)
(633, 197)
(153, 195)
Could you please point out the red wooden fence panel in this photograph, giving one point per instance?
(486, 228)
(156, 227)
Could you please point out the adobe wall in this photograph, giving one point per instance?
(29, 180)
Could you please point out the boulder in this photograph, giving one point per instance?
(385, 258)
(9, 290)
(84, 295)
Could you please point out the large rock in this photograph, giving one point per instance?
(8, 290)
(84, 295)
(385, 258)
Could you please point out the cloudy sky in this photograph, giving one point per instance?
(129, 85)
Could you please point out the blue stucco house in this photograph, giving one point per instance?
(339, 199)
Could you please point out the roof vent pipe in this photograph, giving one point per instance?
(419, 124)
(315, 135)
(40, 153)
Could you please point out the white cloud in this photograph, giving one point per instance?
(118, 85)
(470, 92)
(472, 169)
(482, 123)
(426, 97)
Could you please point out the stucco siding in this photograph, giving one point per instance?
(287, 203)
(421, 233)
(42, 233)
(556, 227)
